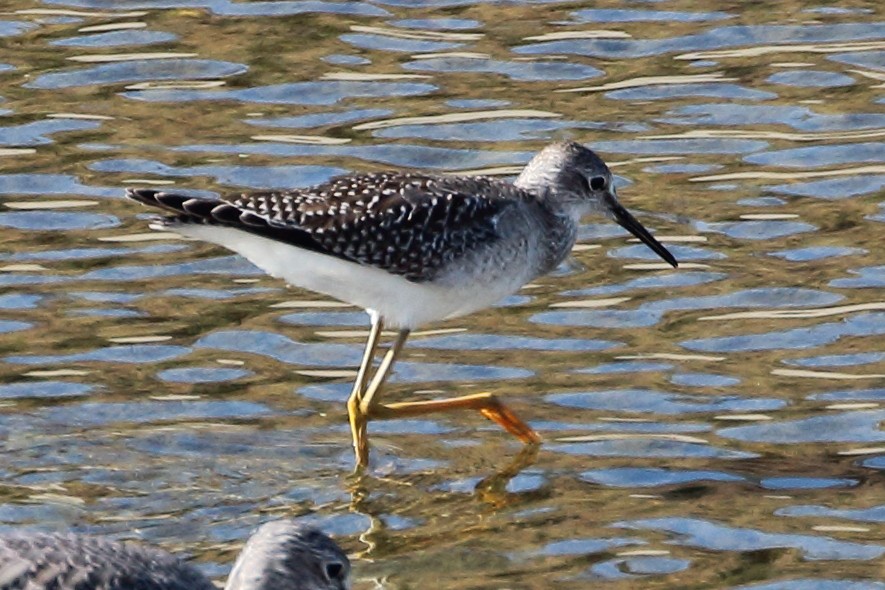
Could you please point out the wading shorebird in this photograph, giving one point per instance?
(280, 555)
(412, 248)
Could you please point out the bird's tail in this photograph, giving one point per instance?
(189, 209)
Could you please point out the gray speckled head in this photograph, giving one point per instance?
(570, 173)
(285, 555)
(575, 180)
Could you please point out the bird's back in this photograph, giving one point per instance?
(408, 224)
(38, 561)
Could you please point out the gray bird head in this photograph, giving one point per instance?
(579, 182)
(286, 555)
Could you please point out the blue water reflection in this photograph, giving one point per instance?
(138, 71)
(828, 155)
(857, 427)
(713, 536)
(658, 402)
(301, 93)
(136, 353)
(718, 424)
(629, 477)
(38, 132)
(248, 176)
(117, 38)
(718, 38)
(57, 221)
(867, 324)
(811, 79)
(532, 71)
(796, 117)
(620, 16)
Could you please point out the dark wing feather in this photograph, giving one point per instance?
(406, 224)
(39, 561)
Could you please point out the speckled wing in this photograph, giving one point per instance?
(38, 561)
(406, 224)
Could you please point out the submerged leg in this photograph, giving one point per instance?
(364, 403)
(486, 403)
(355, 414)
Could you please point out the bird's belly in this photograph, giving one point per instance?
(400, 302)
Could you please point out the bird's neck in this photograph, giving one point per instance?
(560, 223)
(559, 214)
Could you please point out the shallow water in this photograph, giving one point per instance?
(715, 426)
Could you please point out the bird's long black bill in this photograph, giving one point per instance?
(628, 222)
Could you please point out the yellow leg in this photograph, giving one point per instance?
(357, 417)
(368, 398)
(486, 403)
(362, 377)
(363, 403)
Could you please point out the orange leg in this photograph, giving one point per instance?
(363, 404)
(486, 403)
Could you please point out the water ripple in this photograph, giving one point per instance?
(632, 567)
(815, 584)
(533, 71)
(268, 177)
(44, 389)
(603, 15)
(506, 342)
(36, 133)
(385, 43)
(824, 155)
(57, 221)
(138, 71)
(868, 324)
(854, 427)
(140, 353)
(282, 348)
(649, 477)
(658, 402)
(224, 265)
(647, 448)
(811, 79)
(649, 314)
(116, 39)
(202, 375)
(712, 536)
(234, 8)
(872, 514)
(303, 93)
(801, 118)
(718, 38)
(706, 90)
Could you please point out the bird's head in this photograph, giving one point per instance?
(578, 181)
(287, 555)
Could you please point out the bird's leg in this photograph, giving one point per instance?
(486, 403)
(363, 404)
(368, 403)
(355, 414)
(362, 377)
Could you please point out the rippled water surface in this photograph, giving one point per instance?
(715, 426)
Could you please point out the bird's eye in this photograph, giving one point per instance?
(597, 183)
(335, 570)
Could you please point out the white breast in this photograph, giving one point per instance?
(401, 303)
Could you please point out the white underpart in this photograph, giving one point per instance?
(400, 302)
